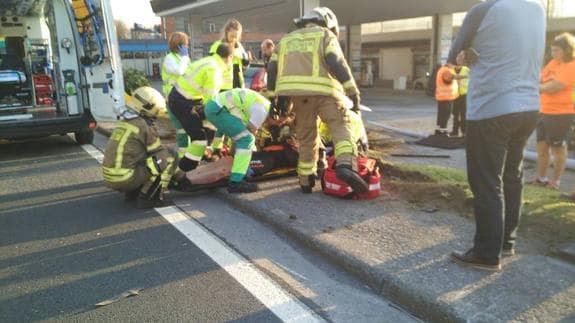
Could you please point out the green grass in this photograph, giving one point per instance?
(538, 200)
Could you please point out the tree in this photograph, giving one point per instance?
(122, 30)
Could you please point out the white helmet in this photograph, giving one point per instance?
(147, 102)
(322, 16)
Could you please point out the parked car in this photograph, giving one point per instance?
(256, 77)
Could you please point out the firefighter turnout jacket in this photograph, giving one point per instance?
(135, 146)
(309, 61)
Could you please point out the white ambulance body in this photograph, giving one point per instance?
(60, 69)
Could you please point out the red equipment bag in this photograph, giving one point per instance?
(331, 185)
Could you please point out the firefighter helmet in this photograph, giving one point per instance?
(322, 16)
(147, 102)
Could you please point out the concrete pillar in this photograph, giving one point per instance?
(195, 32)
(307, 5)
(441, 39)
(353, 49)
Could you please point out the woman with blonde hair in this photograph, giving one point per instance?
(557, 111)
(232, 34)
(174, 65)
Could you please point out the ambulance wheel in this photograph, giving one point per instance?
(84, 137)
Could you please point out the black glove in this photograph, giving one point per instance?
(355, 99)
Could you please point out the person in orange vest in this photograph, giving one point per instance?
(446, 91)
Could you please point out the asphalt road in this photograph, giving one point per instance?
(68, 243)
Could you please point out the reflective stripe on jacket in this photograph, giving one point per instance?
(239, 102)
(301, 64)
(203, 79)
(445, 91)
(130, 144)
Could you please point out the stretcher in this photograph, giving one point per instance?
(215, 175)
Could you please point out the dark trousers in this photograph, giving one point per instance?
(459, 111)
(191, 115)
(495, 173)
(443, 113)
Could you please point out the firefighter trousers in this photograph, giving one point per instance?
(331, 111)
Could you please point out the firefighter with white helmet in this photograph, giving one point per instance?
(135, 162)
(309, 67)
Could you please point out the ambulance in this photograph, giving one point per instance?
(60, 69)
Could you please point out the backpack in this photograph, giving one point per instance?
(331, 185)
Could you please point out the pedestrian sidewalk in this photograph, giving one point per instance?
(402, 252)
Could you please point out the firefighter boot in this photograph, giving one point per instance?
(156, 200)
(307, 182)
(346, 174)
(242, 187)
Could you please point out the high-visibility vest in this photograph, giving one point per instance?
(202, 80)
(239, 102)
(238, 55)
(443, 90)
(302, 69)
(169, 80)
(463, 83)
(357, 129)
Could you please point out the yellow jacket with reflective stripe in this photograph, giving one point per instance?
(301, 64)
(130, 144)
(202, 79)
(238, 56)
(239, 102)
(168, 80)
(462, 84)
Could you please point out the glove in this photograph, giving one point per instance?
(355, 99)
(183, 50)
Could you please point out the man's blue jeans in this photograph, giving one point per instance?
(495, 173)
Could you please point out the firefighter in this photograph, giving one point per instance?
(309, 67)
(238, 114)
(200, 82)
(232, 35)
(135, 161)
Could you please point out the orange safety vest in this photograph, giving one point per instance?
(443, 90)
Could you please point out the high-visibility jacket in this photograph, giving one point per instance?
(202, 79)
(302, 68)
(130, 145)
(239, 57)
(169, 79)
(445, 91)
(240, 102)
(463, 83)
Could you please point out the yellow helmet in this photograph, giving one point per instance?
(147, 102)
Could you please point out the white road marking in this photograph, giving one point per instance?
(283, 305)
(94, 152)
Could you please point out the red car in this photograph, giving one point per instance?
(256, 77)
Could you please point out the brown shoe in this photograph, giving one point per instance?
(471, 259)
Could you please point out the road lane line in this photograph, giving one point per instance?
(94, 152)
(283, 305)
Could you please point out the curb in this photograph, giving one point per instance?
(420, 305)
(527, 154)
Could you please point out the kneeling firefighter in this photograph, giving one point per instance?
(135, 161)
(309, 67)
